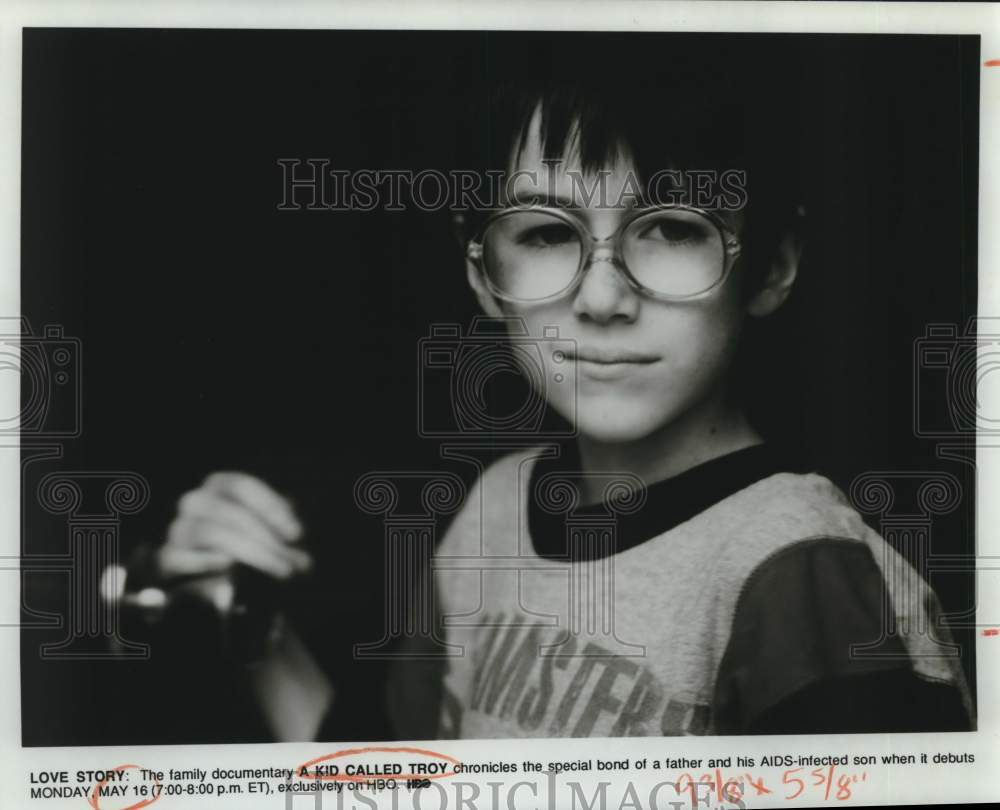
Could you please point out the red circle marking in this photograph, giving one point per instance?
(347, 752)
(93, 800)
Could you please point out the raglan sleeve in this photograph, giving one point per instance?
(788, 667)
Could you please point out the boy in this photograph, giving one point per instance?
(728, 594)
(729, 602)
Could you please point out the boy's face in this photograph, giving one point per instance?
(641, 364)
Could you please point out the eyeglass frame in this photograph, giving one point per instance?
(590, 244)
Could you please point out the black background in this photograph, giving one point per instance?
(221, 333)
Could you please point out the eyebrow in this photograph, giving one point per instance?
(543, 198)
(536, 196)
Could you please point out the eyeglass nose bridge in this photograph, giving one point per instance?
(604, 250)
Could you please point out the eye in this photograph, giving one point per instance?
(549, 235)
(673, 230)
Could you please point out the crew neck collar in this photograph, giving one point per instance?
(668, 503)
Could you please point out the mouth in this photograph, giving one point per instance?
(605, 365)
(609, 357)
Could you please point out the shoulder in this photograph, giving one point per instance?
(819, 597)
(811, 621)
(776, 515)
(799, 504)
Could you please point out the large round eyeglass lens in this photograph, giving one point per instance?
(675, 252)
(531, 255)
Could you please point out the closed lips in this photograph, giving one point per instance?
(610, 356)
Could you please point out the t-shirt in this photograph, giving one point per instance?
(730, 599)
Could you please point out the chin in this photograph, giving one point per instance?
(622, 421)
(613, 432)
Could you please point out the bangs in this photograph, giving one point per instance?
(666, 102)
(671, 114)
(571, 124)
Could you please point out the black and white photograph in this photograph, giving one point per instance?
(456, 385)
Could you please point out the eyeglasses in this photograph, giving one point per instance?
(533, 254)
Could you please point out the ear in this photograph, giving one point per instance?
(780, 279)
(487, 302)
(473, 274)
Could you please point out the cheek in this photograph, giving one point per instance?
(699, 339)
(542, 331)
(536, 322)
(715, 339)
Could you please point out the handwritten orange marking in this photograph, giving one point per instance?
(991, 632)
(758, 785)
(991, 63)
(93, 800)
(343, 777)
(829, 782)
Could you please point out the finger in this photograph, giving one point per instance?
(201, 506)
(268, 505)
(175, 561)
(218, 538)
(208, 505)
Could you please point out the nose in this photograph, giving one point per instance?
(604, 295)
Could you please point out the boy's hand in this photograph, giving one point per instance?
(232, 518)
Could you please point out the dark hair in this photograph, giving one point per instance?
(670, 101)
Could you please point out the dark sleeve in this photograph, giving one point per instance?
(399, 697)
(414, 693)
(358, 712)
(788, 667)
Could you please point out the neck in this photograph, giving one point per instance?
(685, 443)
